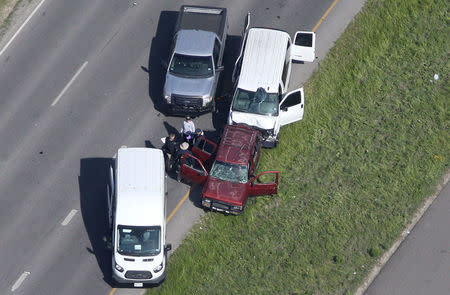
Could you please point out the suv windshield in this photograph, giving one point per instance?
(259, 102)
(139, 240)
(191, 66)
(229, 172)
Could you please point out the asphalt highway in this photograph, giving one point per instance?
(80, 80)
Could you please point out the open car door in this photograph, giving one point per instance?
(204, 149)
(266, 183)
(110, 196)
(238, 63)
(292, 107)
(192, 170)
(304, 47)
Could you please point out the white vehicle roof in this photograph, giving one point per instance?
(263, 61)
(195, 43)
(140, 187)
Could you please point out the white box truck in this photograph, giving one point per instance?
(137, 207)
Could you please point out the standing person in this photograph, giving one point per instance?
(184, 149)
(169, 149)
(188, 129)
(198, 133)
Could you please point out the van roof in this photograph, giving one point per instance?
(195, 42)
(140, 187)
(236, 144)
(263, 61)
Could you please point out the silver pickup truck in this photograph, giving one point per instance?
(195, 59)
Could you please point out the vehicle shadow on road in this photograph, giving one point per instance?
(159, 51)
(225, 88)
(93, 179)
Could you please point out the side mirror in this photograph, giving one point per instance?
(284, 109)
(168, 247)
(219, 69)
(164, 63)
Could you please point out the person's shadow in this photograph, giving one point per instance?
(93, 180)
(159, 54)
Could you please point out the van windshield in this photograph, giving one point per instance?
(259, 102)
(229, 172)
(191, 66)
(139, 240)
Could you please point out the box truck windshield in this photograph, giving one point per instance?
(139, 240)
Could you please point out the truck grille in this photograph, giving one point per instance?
(187, 101)
(138, 275)
(220, 206)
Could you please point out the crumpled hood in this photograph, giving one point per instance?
(260, 121)
(225, 191)
(190, 87)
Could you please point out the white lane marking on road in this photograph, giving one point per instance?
(21, 27)
(69, 217)
(20, 280)
(70, 83)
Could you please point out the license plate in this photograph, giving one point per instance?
(138, 284)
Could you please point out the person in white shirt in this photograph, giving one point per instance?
(188, 129)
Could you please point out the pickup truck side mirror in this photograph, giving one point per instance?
(164, 63)
(168, 247)
(219, 69)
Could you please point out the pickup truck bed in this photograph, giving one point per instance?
(210, 19)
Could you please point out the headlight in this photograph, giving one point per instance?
(236, 207)
(206, 202)
(158, 268)
(207, 98)
(118, 267)
(167, 97)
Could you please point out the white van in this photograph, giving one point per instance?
(261, 77)
(137, 216)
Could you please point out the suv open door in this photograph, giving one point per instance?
(192, 170)
(304, 47)
(292, 107)
(266, 183)
(238, 63)
(204, 149)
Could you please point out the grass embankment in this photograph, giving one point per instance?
(7, 7)
(373, 144)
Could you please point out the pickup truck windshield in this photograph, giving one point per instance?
(229, 172)
(191, 66)
(139, 240)
(258, 102)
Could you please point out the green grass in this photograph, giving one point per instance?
(372, 146)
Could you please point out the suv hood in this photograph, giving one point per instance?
(225, 191)
(260, 121)
(196, 87)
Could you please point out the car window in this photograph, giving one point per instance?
(256, 102)
(191, 66)
(293, 99)
(229, 172)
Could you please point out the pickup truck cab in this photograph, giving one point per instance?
(228, 172)
(261, 77)
(195, 63)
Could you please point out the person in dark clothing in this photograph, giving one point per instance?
(198, 133)
(169, 149)
(184, 149)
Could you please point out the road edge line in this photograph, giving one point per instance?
(20, 28)
(388, 254)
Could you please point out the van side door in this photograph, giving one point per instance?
(238, 63)
(292, 107)
(192, 170)
(204, 149)
(266, 183)
(304, 47)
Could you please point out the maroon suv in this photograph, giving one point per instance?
(227, 172)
